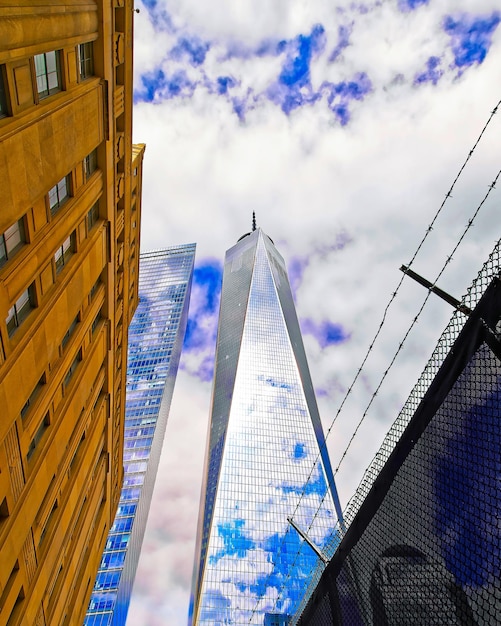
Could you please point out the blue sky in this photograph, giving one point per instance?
(463, 40)
(342, 125)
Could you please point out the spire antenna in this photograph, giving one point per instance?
(253, 221)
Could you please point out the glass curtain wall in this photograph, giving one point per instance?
(266, 459)
(156, 336)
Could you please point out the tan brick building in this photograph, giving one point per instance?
(70, 190)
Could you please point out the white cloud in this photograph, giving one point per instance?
(380, 179)
(246, 22)
(164, 573)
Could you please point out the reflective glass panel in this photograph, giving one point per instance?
(264, 463)
(155, 339)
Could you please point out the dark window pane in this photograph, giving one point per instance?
(86, 59)
(4, 111)
(90, 164)
(47, 73)
(11, 240)
(38, 436)
(64, 252)
(59, 194)
(69, 332)
(19, 311)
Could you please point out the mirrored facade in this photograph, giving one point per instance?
(155, 340)
(266, 459)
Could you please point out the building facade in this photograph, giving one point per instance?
(266, 459)
(155, 340)
(69, 253)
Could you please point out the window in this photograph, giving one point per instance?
(86, 60)
(52, 596)
(92, 216)
(102, 602)
(19, 312)
(59, 194)
(20, 597)
(108, 580)
(69, 332)
(96, 321)
(48, 74)
(122, 524)
(90, 164)
(33, 396)
(11, 240)
(73, 367)
(4, 510)
(46, 526)
(94, 289)
(64, 252)
(81, 443)
(4, 111)
(38, 436)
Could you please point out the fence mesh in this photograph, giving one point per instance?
(423, 538)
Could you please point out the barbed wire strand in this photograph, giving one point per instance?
(413, 323)
(380, 327)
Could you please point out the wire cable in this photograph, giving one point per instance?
(393, 296)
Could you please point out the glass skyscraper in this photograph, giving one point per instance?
(266, 459)
(155, 340)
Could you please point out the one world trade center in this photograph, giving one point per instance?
(266, 461)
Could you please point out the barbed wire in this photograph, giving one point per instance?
(393, 296)
(413, 323)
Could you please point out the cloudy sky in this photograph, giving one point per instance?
(343, 125)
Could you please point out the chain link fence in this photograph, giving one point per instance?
(422, 537)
